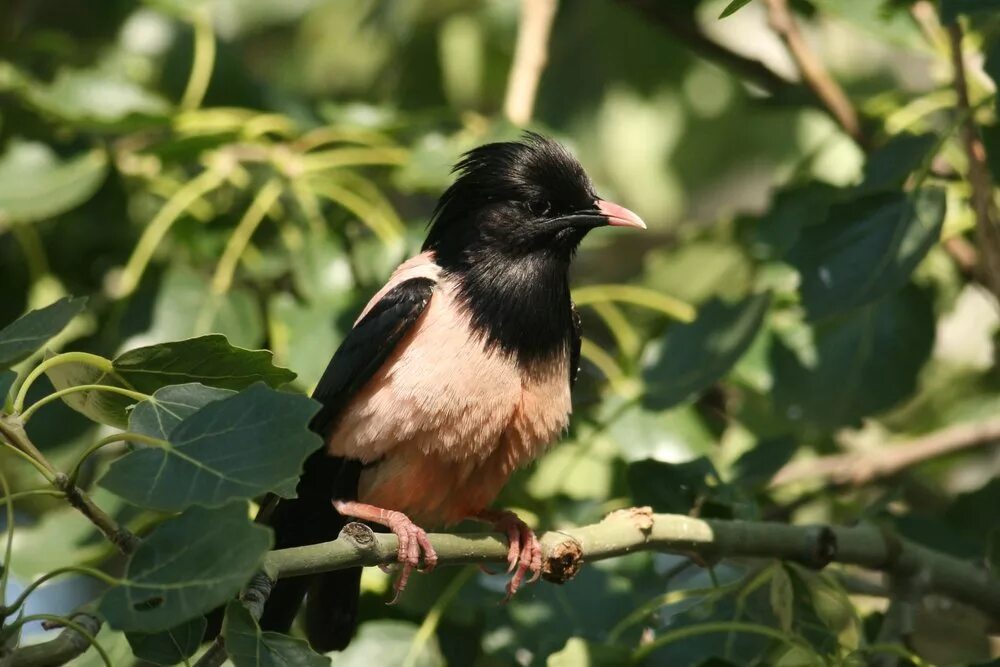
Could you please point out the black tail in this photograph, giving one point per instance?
(332, 607)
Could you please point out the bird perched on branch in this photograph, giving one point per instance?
(456, 373)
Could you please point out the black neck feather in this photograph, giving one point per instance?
(521, 307)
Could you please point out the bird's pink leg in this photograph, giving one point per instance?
(412, 538)
(525, 551)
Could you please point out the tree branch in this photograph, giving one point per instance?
(987, 231)
(672, 17)
(68, 645)
(638, 529)
(860, 468)
(829, 92)
(530, 56)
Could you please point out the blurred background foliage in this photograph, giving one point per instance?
(256, 168)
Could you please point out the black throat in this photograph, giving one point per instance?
(520, 307)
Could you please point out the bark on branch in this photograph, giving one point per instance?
(639, 529)
(530, 55)
(860, 468)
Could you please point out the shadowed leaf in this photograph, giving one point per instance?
(22, 337)
(169, 406)
(170, 646)
(187, 566)
(235, 448)
(248, 646)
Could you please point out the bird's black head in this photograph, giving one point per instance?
(518, 200)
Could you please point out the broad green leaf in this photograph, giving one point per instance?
(235, 448)
(579, 651)
(866, 249)
(98, 99)
(169, 647)
(36, 184)
(248, 646)
(733, 7)
(792, 210)
(305, 335)
(22, 337)
(888, 167)
(950, 9)
(782, 597)
(209, 360)
(756, 466)
(388, 642)
(857, 364)
(690, 357)
(671, 487)
(187, 566)
(166, 408)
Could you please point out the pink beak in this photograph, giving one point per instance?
(619, 216)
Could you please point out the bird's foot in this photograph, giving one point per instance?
(525, 551)
(412, 539)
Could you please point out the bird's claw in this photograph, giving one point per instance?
(524, 553)
(412, 541)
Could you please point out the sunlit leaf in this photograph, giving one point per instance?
(238, 447)
(690, 357)
(248, 646)
(98, 99)
(578, 651)
(25, 335)
(209, 360)
(36, 184)
(866, 249)
(187, 566)
(169, 647)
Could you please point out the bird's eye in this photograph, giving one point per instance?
(539, 208)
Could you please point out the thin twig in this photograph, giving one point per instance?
(987, 231)
(69, 644)
(861, 468)
(814, 73)
(530, 56)
(678, 21)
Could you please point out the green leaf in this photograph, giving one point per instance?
(888, 167)
(733, 7)
(187, 566)
(782, 597)
(22, 337)
(235, 448)
(671, 487)
(209, 360)
(247, 646)
(866, 249)
(388, 642)
(36, 184)
(855, 365)
(579, 651)
(792, 210)
(950, 9)
(170, 646)
(98, 99)
(757, 466)
(168, 407)
(691, 357)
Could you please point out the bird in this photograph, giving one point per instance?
(456, 373)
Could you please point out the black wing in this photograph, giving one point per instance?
(331, 610)
(367, 347)
(575, 342)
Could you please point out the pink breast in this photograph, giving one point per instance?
(447, 418)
